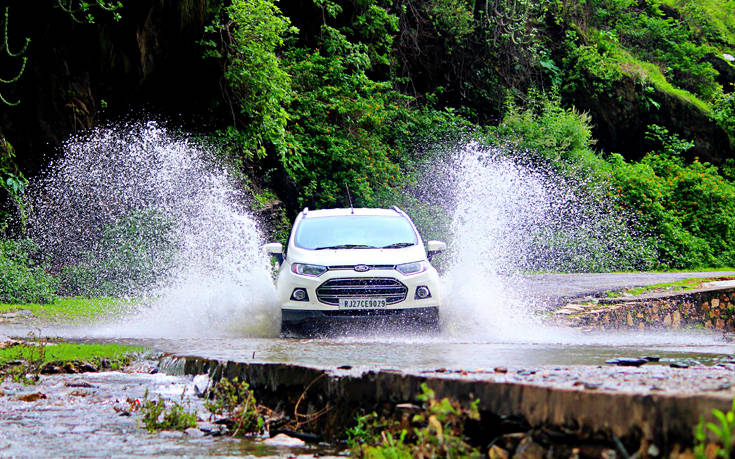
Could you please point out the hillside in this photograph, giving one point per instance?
(304, 96)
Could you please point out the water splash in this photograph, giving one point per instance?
(217, 279)
(508, 219)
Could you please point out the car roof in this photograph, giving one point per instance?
(349, 212)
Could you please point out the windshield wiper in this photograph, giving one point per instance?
(347, 246)
(398, 245)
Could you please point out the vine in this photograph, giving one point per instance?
(6, 47)
(83, 12)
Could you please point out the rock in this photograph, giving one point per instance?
(344, 367)
(70, 368)
(653, 450)
(496, 452)
(50, 369)
(651, 358)
(284, 440)
(529, 449)
(212, 429)
(86, 367)
(194, 432)
(84, 384)
(32, 397)
(407, 406)
(6, 342)
(500, 370)
(627, 362)
(201, 384)
(678, 365)
(676, 319)
(20, 313)
(728, 57)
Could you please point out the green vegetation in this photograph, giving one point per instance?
(66, 352)
(322, 95)
(25, 361)
(158, 416)
(723, 431)
(133, 253)
(437, 431)
(342, 112)
(23, 278)
(234, 400)
(75, 309)
(684, 284)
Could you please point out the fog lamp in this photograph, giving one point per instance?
(422, 292)
(299, 294)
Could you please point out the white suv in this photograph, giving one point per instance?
(355, 269)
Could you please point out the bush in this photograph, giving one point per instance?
(689, 208)
(133, 254)
(437, 431)
(23, 279)
(260, 87)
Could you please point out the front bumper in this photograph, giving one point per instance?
(288, 281)
(320, 322)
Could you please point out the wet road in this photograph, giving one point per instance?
(552, 286)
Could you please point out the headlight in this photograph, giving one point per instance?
(411, 268)
(308, 270)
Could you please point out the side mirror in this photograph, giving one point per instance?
(275, 249)
(434, 248)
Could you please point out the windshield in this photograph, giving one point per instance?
(355, 232)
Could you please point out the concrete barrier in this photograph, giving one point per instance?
(637, 418)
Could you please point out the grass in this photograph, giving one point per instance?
(719, 15)
(67, 352)
(700, 270)
(676, 286)
(73, 309)
(648, 71)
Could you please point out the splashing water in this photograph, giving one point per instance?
(216, 280)
(508, 219)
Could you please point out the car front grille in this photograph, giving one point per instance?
(391, 289)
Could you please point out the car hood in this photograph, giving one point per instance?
(357, 256)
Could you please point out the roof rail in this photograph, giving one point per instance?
(305, 211)
(398, 210)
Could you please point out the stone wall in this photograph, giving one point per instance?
(707, 308)
(559, 419)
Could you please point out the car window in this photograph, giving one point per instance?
(355, 231)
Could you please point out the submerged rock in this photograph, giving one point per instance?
(627, 362)
(194, 432)
(284, 440)
(31, 397)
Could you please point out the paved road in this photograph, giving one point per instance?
(551, 286)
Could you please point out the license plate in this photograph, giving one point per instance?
(361, 303)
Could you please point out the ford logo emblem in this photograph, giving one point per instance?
(362, 268)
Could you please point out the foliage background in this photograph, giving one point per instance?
(303, 97)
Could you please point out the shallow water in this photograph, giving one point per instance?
(78, 418)
(546, 346)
